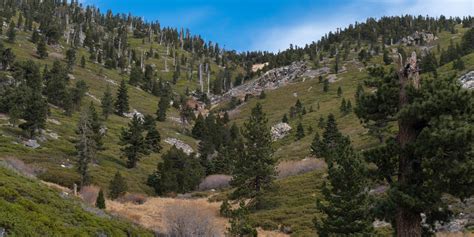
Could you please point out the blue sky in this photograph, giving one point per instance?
(274, 25)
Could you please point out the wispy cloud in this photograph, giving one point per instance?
(313, 26)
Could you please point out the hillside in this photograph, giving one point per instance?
(30, 208)
(174, 60)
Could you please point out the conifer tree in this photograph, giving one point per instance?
(346, 206)
(255, 170)
(35, 113)
(41, 48)
(121, 103)
(136, 76)
(240, 223)
(199, 127)
(132, 142)
(107, 103)
(317, 146)
(339, 92)
(321, 123)
(117, 187)
(163, 106)
(386, 58)
(284, 119)
(70, 58)
(96, 125)
(153, 137)
(299, 131)
(11, 32)
(326, 85)
(100, 202)
(85, 147)
(83, 61)
(262, 95)
(343, 108)
(432, 132)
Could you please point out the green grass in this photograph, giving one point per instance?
(29, 208)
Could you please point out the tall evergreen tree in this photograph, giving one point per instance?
(107, 103)
(96, 126)
(121, 102)
(153, 137)
(71, 59)
(83, 61)
(345, 209)
(432, 132)
(85, 147)
(299, 131)
(163, 106)
(326, 85)
(255, 170)
(339, 91)
(132, 142)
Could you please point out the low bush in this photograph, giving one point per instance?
(134, 198)
(89, 194)
(292, 167)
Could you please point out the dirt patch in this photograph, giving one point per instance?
(56, 55)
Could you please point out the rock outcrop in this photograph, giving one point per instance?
(180, 145)
(467, 80)
(280, 130)
(418, 38)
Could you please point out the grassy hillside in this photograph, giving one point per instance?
(29, 208)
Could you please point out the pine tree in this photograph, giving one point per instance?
(343, 107)
(262, 95)
(35, 113)
(317, 146)
(346, 208)
(432, 132)
(256, 169)
(107, 103)
(177, 173)
(96, 126)
(339, 92)
(11, 32)
(100, 202)
(121, 103)
(117, 187)
(321, 123)
(56, 81)
(85, 147)
(136, 76)
(83, 61)
(284, 119)
(163, 106)
(386, 58)
(240, 223)
(299, 131)
(153, 137)
(132, 142)
(41, 48)
(199, 128)
(326, 85)
(71, 59)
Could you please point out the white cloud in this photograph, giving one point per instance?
(312, 28)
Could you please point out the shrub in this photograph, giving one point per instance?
(100, 201)
(118, 186)
(291, 168)
(135, 198)
(225, 209)
(20, 166)
(187, 219)
(216, 181)
(89, 194)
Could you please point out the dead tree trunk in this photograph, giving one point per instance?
(408, 221)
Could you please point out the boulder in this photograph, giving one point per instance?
(134, 112)
(467, 80)
(280, 130)
(31, 143)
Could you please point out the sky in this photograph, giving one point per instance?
(272, 25)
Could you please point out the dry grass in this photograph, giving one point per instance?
(296, 167)
(20, 166)
(217, 181)
(89, 194)
(135, 198)
(155, 212)
(455, 234)
(268, 233)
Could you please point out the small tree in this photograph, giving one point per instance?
(299, 131)
(121, 103)
(100, 202)
(118, 186)
(240, 224)
(83, 61)
(11, 32)
(132, 142)
(107, 103)
(41, 49)
(284, 119)
(326, 85)
(163, 106)
(225, 209)
(85, 147)
(262, 95)
(339, 91)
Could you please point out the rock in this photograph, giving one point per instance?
(332, 78)
(467, 80)
(270, 80)
(53, 135)
(3, 232)
(418, 38)
(31, 143)
(180, 145)
(380, 224)
(92, 96)
(134, 112)
(53, 121)
(103, 130)
(71, 77)
(286, 229)
(295, 94)
(280, 130)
